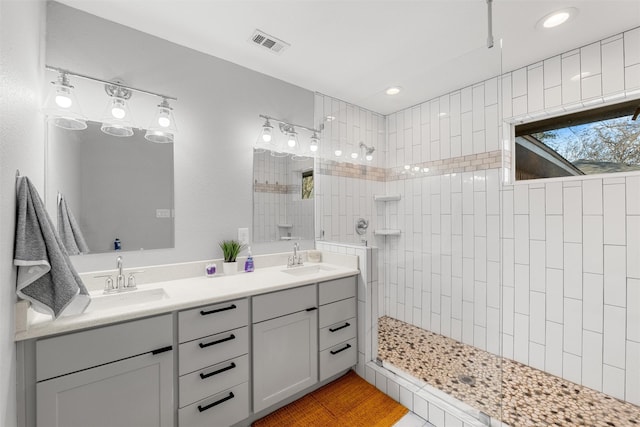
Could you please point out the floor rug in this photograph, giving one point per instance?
(349, 401)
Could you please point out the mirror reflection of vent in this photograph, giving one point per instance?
(268, 42)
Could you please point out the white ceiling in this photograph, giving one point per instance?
(354, 50)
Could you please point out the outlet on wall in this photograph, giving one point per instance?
(243, 236)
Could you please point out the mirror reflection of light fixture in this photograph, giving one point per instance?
(62, 107)
(266, 131)
(313, 142)
(286, 142)
(116, 120)
(368, 151)
(163, 125)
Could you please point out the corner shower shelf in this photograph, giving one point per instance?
(386, 197)
(387, 232)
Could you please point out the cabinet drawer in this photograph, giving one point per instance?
(81, 350)
(337, 312)
(223, 409)
(335, 334)
(338, 358)
(213, 349)
(213, 379)
(212, 319)
(281, 303)
(335, 290)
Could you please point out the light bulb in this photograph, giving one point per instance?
(369, 157)
(354, 155)
(407, 167)
(118, 112)
(63, 101)
(266, 134)
(117, 109)
(292, 141)
(393, 90)
(416, 168)
(425, 170)
(163, 118)
(338, 153)
(313, 146)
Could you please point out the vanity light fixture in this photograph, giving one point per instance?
(62, 107)
(63, 110)
(163, 125)
(116, 120)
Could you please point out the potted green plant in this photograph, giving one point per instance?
(230, 251)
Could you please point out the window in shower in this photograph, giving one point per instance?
(597, 141)
(307, 185)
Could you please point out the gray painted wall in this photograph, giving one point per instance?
(217, 117)
(21, 147)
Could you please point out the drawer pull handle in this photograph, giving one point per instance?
(229, 338)
(219, 371)
(312, 308)
(216, 403)
(217, 310)
(346, 347)
(162, 350)
(346, 325)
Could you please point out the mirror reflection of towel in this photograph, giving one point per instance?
(46, 276)
(69, 229)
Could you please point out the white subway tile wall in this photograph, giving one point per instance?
(569, 302)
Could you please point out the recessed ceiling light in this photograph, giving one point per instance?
(556, 18)
(393, 90)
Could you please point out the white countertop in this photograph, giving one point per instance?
(182, 294)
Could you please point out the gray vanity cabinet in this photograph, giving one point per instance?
(213, 364)
(338, 328)
(120, 375)
(285, 344)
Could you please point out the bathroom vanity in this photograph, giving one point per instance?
(213, 352)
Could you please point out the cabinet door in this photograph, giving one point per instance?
(132, 392)
(285, 357)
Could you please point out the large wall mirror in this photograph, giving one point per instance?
(283, 197)
(115, 188)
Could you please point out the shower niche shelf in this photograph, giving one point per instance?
(386, 197)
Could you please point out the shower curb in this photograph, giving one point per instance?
(422, 402)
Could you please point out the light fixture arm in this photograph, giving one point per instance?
(106, 82)
(489, 24)
(286, 127)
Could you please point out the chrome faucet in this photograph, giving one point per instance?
(295, 259)
(120, 283)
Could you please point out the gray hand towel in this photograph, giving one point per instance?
(46, 276)
(69, 229)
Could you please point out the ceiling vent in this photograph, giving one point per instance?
(268, 42)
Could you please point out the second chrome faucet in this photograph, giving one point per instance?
(295, 260)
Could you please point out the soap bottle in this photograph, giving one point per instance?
(117, 245)
(248, 264)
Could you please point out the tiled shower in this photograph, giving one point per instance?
(544, 273)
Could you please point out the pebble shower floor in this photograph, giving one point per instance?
(504, 389)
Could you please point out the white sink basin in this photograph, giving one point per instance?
(306, 270)
(125, 299)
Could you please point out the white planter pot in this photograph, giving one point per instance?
(230, 268)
